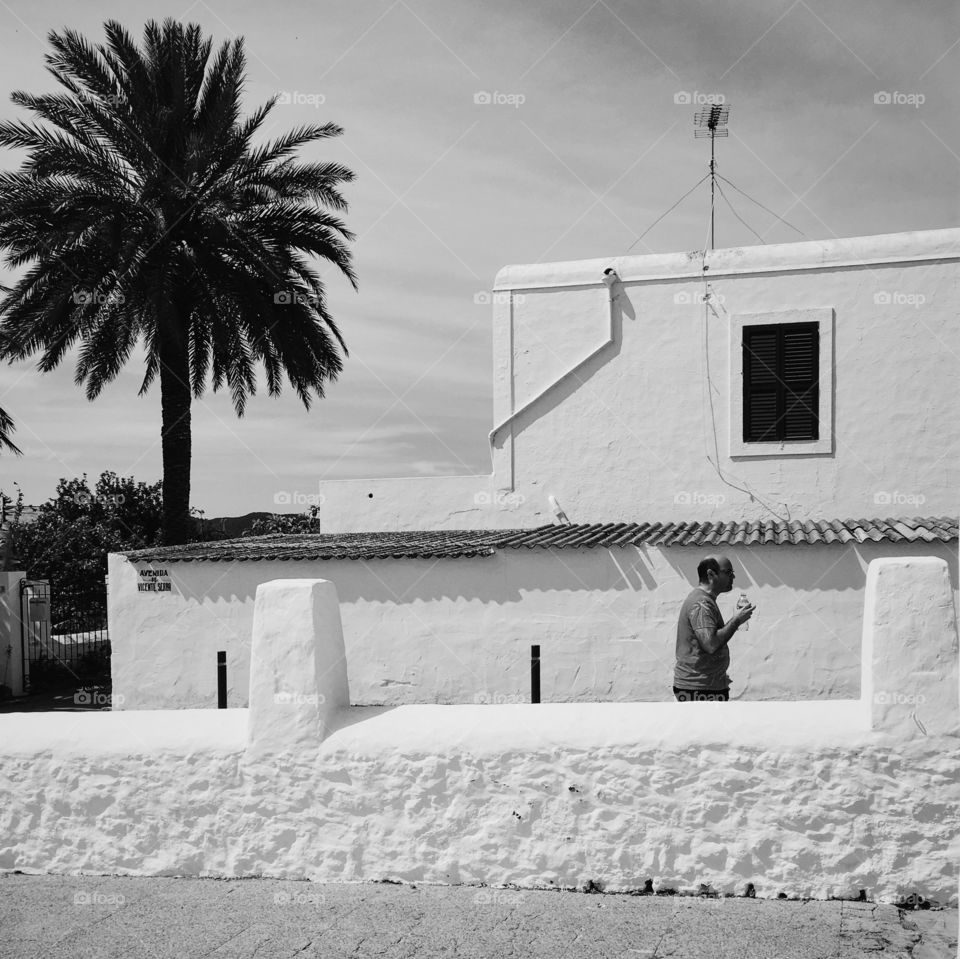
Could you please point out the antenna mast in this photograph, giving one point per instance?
(711, 122)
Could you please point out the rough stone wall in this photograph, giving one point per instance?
(819, 823)
(803, 798)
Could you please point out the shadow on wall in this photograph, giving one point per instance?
(498, 579)
(806, 568)
(556, 395)
(506, 576)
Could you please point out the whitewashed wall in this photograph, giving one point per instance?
(640, 430)
(460, 630)
(807, 799)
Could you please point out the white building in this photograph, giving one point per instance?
(791, 405)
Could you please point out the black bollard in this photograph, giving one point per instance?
(534, 674)
(222, 679)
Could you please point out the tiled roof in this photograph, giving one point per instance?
(454, 543)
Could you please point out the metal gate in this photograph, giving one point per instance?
(64, 635)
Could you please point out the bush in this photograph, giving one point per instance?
(73, 532)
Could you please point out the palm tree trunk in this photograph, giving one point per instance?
(175, 431)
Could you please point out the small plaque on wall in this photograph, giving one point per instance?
(154, 581)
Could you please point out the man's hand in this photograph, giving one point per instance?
(743, 614)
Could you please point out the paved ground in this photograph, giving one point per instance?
(49, 917)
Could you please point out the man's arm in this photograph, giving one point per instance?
(714, 638)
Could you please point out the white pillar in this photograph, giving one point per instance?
(298, 665)
(909, 672)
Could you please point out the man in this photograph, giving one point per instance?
(702, 635)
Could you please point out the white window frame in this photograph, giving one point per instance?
(824, 318)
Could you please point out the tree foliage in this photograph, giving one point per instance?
(6, 428)
(145, 213)
(73, 532)
(306, 522)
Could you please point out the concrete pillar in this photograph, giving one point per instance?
(909, 678)
(298, 665)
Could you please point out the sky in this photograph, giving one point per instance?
(484, 135)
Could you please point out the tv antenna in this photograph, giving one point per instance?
(711, 121)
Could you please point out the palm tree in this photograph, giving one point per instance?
(6, 428)
(145, 213)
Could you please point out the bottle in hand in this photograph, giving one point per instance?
(741, 603)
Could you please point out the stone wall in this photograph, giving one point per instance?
(809, 799)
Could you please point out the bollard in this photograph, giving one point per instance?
(534, 674)
(222, 679)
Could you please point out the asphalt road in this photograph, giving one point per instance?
(74, 917)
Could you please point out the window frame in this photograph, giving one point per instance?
(824, 444)
(779, 388)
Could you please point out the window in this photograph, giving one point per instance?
(781, 376)
(782, 379)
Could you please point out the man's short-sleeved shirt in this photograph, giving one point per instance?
(696, 668)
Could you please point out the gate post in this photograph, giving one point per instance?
(11, 657)
(298, 666)
(909, 676)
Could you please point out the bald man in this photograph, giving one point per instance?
(702, 636)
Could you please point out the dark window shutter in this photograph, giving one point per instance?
(781, 372)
